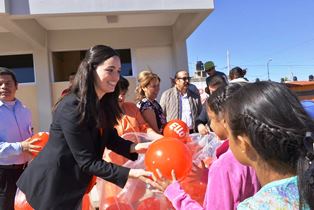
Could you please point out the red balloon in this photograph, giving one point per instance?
(176, 129)
(112, 203)
(43, 136)
(167, 154)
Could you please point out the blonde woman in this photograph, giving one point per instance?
(146, 94)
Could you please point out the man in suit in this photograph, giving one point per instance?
(179, 102)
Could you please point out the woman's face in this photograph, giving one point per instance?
(236, 147)
(107, 75)
(216, 124)
(122, 96)
(152, 89)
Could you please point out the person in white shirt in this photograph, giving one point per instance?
(179, 102)
(15, 141)
(237, 74)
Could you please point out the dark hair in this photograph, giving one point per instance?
(123, 84)
(176, 74)
(6, 71)
(215, 81)
(275, 123)
(236, 72)
(106, 110)
(217, 99)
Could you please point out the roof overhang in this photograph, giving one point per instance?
(31, 20)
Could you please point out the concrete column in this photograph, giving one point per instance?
(180, 55)
(43, 83)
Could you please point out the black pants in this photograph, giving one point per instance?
(8, 179)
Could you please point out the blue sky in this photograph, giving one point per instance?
(254, 31)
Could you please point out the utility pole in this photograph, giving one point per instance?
(228, 61)
(269, 60)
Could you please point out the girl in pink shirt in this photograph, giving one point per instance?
(229, 182)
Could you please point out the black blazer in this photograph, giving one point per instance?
(58, 177)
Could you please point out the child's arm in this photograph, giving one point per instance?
(179, 198)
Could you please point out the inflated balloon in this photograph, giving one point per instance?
(20, 202)
(186, 139)
(43, 139)
(112, 203)
(176, 129)
(167, 154)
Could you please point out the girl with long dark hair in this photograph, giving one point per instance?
(270, 131)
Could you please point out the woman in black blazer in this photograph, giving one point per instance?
(82, 126)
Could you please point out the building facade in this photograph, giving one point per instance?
(43, 41)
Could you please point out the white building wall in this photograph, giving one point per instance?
(157, 59)
(84, 6)
(11, 45)
(116, 38)
(29, 27)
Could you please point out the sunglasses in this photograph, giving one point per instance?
(184, 78)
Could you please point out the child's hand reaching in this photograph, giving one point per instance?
(163, 182)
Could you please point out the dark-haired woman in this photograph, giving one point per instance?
(270, 131)
(82, 126)
(237, 74)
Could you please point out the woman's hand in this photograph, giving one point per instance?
(145, 176)
(140, 147)
(163, 182)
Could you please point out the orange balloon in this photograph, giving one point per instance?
(167, 154)
(112, 203)
(43, 136)
(176, 129)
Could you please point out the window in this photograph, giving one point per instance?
(64, 63)
(126, 62)
(22, 65)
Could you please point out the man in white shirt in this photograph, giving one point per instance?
(15, 142)
(179, 102)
